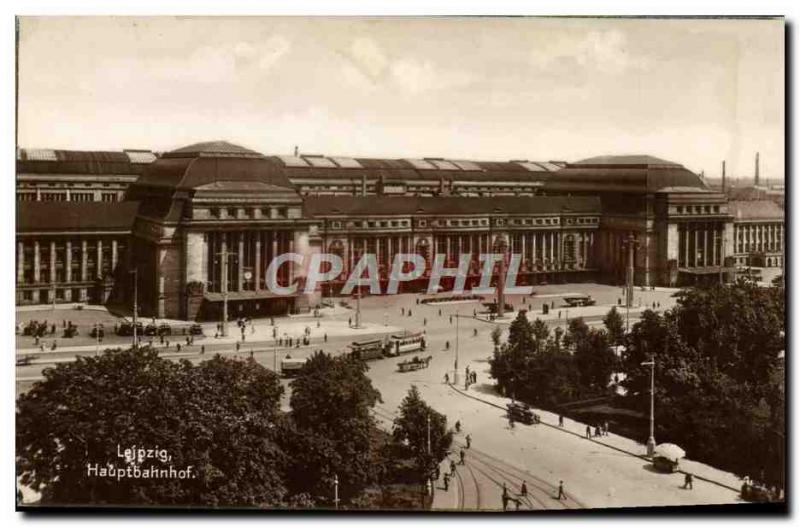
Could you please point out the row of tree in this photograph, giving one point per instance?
(548, 369)
(223, 418)
(719, 374)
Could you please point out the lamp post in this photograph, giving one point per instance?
(336, 491)
(224, 255)
(651, 441)
(455, 364)
(135, 274)
(630, 244)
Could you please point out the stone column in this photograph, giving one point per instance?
(52, 262)
(20, 263)
(240, 262)
(114, 255)
(68, 262)
(524, 255)
(37, 276)
(290, 241)
(257, 270)
(99, 266)
(714, 246)
(84, 261)
(533, 240)
(705, 246)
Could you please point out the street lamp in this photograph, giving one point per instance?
(651, 441)
(135, 273)
(455, 365)
(336, 491)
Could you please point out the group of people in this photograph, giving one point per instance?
(594, 431)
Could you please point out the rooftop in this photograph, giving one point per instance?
(59, 216)
(755, 210)
(402, 205)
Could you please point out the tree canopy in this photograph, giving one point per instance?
(219, 417)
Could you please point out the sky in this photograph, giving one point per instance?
(691, 91)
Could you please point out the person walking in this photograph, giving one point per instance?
(461, 455)
(469, 440)
(561, 421)
(458, 427)
(446, 378)
(588, 431)
(561, 494)
(687, 481)
(523, 490)
(452, 467)
(446, 481)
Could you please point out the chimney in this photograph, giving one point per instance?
(756, 168)
(295, 151)
(723, 176)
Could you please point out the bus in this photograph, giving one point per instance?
(368, 349)
(407, 343)
(579, 300)
(291, 367)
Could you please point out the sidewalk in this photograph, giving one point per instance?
(616, 442)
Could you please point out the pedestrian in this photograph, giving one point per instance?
(452, 467)
(424, 321)
(561, 421)
(561, 494)
(251, 354)
(202, 350)
(588, 431)
(238, 345)
(178, 347)
(440, 313)
(447, 344)
(451, 320)
(605, 428)
(687, 481)
(446, 378)
(446, 481)
(461, 454)
(523, 490)
(469, 440)
(402, 311)
(409, 311)
(474, 377)
(350, 322)
(325, 337)
(475, 332)
(458, 427)
(505, 497)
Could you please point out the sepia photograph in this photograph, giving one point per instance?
(428, 264)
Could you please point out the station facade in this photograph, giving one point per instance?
(202, 223)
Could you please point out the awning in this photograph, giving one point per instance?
(238, 296)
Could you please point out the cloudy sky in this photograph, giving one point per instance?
(693, 91)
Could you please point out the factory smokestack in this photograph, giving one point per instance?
(756, 168)
(723, 176)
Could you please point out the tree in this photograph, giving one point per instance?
(496, 335)
(412, 427)
(331, 403)
(218, 417)
(719, 378)
(615, 326)
(577, 331)
(595, 361)
(540, 333)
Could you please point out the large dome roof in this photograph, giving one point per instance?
(215, 165)
(213, 149)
